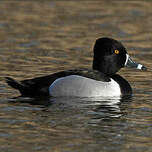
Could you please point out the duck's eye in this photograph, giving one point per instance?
(116, 51)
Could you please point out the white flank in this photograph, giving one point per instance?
(78, 86)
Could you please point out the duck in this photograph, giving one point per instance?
(101, 80)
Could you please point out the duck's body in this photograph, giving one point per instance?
(102, 80)
(78, 82)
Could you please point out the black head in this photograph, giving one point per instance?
(109, 56)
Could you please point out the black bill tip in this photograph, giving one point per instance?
(144, 68)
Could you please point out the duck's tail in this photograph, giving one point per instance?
(15, 84)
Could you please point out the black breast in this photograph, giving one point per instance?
(124, 85)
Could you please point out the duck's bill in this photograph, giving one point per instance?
(130, 63)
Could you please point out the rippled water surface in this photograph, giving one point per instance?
(39, 38)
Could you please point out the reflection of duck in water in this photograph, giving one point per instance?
(96, 108)
(107, 109)
(109, 56)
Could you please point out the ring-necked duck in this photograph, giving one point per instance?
(109, 56)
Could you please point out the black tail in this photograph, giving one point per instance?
(15, 84)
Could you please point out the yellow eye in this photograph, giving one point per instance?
(116, 51)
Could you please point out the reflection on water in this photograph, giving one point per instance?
(98, 107)
(39, 38)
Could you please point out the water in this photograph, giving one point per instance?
(39, 38)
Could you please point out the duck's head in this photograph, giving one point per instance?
(110, 55)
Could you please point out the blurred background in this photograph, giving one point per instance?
(42, 37)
